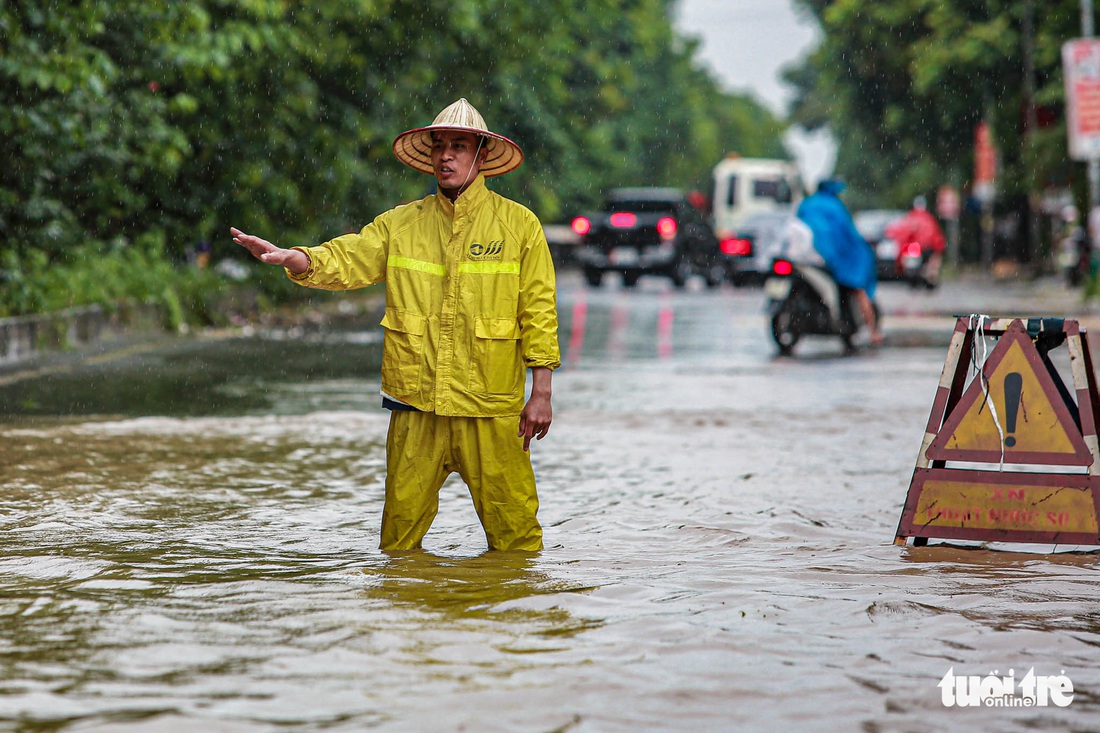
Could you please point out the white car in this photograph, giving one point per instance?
(872, 224)
(749, 251)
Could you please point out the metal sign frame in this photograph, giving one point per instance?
(1047, 502)
(977, 397)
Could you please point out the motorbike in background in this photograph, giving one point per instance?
(914, 266)
(804, 299)
(920, 246)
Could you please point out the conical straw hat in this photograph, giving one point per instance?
(414, 147)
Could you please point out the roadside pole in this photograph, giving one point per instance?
(948, 208)
(985, 190)
(1034, 198)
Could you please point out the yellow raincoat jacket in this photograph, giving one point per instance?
(470, 299)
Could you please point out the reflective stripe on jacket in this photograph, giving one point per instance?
(470, 299)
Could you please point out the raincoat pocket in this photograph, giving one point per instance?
(402, 350)
(496, 366)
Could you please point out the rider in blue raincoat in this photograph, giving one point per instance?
(846, 253)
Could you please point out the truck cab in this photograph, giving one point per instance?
(746, 186)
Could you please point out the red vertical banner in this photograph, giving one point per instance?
(1081, 66)
(985, 162)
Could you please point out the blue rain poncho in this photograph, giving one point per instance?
(846, 253)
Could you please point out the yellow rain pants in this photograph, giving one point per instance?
(423, 449)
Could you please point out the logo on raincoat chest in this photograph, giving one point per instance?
(494, 250)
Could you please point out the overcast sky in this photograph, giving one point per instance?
(747, 43)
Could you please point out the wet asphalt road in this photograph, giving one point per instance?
(192, 533)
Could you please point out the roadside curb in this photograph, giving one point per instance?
(44, 343)
(24, 339)
(917, 317)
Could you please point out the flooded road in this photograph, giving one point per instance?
(719, 529)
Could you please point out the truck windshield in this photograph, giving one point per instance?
(775, 189)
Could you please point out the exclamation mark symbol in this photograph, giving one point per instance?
(1014, 384)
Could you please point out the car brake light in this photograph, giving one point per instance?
(623, 220)
(913, 249)
(736, 246)
(666, 227)
(782, 267)
(581, 225)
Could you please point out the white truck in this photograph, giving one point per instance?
(752, 202)
(746, 186)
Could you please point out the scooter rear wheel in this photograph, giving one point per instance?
(784, 332)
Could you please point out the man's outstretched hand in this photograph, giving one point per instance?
(292, 259)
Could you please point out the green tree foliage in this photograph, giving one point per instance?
(177, 118)
(903, 83)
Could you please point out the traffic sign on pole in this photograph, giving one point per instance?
(1081, 67)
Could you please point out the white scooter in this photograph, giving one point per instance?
(804, 299)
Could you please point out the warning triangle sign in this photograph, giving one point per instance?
(1012, 411)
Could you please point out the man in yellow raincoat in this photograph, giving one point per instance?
(470, 306)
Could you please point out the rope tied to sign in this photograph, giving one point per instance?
(977, 325)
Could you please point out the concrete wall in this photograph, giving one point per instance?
(24, 338)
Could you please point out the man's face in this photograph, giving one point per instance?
(455, 158)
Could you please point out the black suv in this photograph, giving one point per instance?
(647, 231)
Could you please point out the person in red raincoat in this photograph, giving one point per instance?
(920, 227)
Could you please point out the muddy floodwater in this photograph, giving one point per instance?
(190, 544)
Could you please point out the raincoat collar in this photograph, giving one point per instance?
(474, 194)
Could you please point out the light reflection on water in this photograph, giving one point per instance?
(718, 558)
